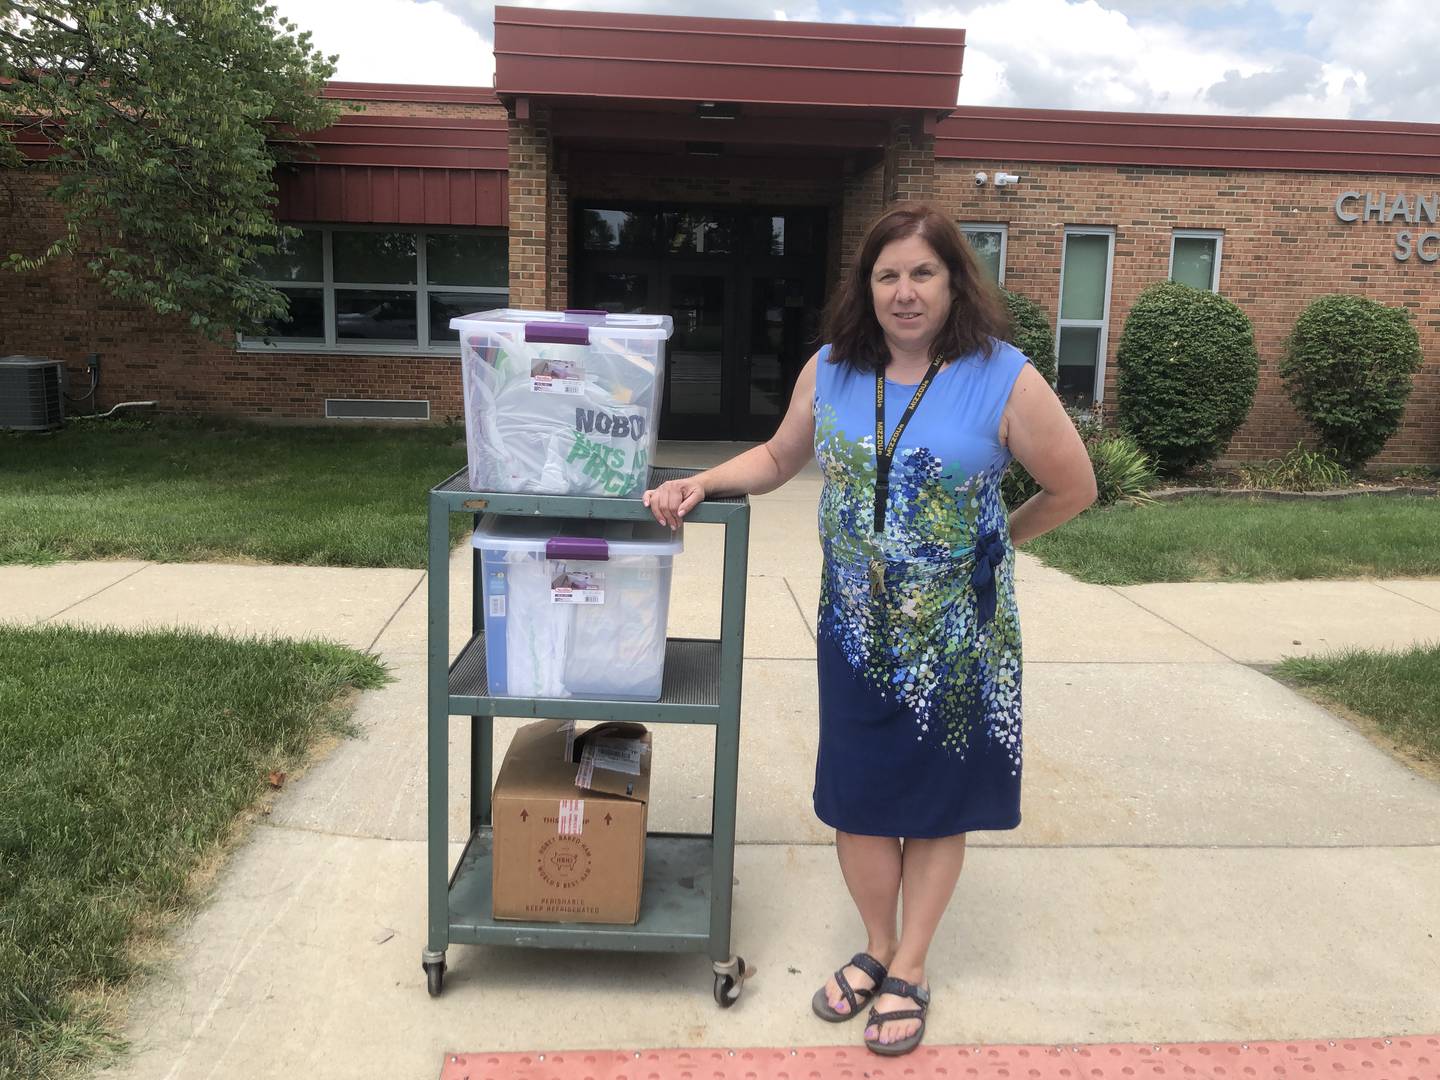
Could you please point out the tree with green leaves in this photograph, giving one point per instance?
(161, 120)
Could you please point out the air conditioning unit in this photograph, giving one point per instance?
(30, 394)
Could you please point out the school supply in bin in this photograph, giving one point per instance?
(561, 403)
(575, 608)
(570, 811)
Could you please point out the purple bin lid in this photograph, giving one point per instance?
(557, 333)
(590, 548)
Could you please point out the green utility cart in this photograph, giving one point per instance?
(685, 906)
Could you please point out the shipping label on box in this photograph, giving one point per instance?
(565, 853)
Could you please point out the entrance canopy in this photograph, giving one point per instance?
(731, 88)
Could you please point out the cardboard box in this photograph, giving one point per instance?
(569, 812)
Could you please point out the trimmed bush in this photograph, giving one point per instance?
(1188, 370)
(1030, 332)
(1348, 365)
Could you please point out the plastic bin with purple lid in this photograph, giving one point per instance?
(561, 402)
(575, 607)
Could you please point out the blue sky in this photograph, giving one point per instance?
(1319, 58)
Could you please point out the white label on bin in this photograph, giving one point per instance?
(571, 817)
(497, 607)
(551, 376)
(577, 586)
(544, 384)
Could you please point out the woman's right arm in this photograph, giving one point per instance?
(758, 470)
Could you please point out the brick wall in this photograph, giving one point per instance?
(909, 162)
(61, 312)
(531, 157)
(1283, 247)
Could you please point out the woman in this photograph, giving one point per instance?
(913, 411)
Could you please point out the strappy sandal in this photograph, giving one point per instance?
(900, 988)
(854, 998)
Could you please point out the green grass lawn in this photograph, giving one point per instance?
(176, 490)
(1398, 692)
(1237, 539)
(124, 761)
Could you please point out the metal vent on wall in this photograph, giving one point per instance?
(30, 394)
(374, 409)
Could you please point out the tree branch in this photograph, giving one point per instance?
(42, 17)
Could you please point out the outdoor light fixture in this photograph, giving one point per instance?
(717, 110)
(1005, 179)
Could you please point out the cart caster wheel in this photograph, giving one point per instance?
(434, 978)
(729, 987)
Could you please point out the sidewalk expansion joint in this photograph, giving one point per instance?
(806, 619)
(1382, 586)
(398, 608)
(1168, 622)
(96, 593)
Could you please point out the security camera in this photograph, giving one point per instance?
(1003, 179)
(980, 179)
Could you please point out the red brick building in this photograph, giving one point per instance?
(722, 171)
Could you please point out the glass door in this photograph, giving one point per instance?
(697, 395)
(779, 313)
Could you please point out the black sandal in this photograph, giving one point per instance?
(900, 988)
(854, 998)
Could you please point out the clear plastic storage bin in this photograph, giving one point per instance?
(561, 403)
(575, 608)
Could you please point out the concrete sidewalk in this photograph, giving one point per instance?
(1205, 854)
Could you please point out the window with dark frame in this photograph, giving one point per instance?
(382, 289)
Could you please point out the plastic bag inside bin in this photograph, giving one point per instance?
(569, 412)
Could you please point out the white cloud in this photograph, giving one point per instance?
(1246, 56)
(1081, 54)
(395, 41)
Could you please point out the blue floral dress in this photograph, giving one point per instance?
(918, 636)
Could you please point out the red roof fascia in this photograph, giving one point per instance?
(616, 124)
(1189, 141)
(387, 195)
(640, 163)
(602, 54)
(421, 142)
(434, 95)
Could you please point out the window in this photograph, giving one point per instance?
(382, 290)
(1195, 258)
(1084, 314)
(988, 243)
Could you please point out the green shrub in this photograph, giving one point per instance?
(1030, 332)
(1123, 471)
(1348, 366)
(1188, 370)
(1298, 470)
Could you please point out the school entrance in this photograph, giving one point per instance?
(744, 285)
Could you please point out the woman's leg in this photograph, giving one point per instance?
(871, 866)
(930, 869)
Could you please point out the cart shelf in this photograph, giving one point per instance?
(674, 906)
(689, 693)
(686, 902)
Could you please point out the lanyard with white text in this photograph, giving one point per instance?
(885, 452)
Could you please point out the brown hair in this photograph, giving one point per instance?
(977, 314)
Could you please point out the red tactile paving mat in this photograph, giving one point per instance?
(1411, 1057)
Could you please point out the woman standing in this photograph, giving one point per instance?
(913, 411)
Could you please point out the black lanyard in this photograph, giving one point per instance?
(885, 452)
